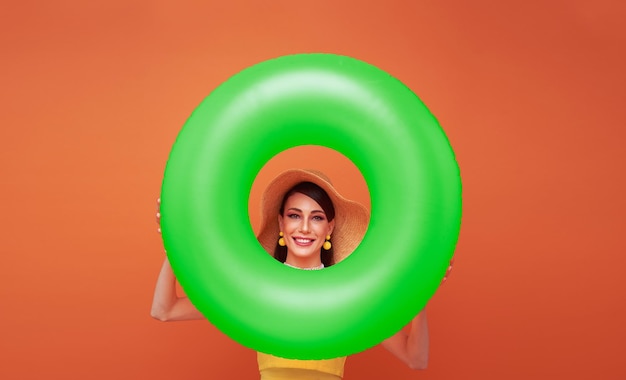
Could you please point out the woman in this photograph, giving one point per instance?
(307, 225)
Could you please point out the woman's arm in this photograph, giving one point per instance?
(411, 348)
(166, 304)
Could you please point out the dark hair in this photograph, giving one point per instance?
(318, 194)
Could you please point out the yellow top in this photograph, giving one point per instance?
(275, 368)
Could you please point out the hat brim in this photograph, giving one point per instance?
(351, 218)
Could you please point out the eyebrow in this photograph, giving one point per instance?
(312, 212)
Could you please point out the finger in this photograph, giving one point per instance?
(448, 272)
(158, 214)
(451, 265)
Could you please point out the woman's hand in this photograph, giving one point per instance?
(158, 214)
(445, 277)
(166, 304)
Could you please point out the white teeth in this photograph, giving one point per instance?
(303, 241)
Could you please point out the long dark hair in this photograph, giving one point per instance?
(318, 194)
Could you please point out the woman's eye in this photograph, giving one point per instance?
(318, 218)
(293, 216)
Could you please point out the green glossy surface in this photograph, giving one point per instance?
(415, 187)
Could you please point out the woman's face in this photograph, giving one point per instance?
(305, 227)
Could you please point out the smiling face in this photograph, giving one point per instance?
(305, 227)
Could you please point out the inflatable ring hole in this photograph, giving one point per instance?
(343, 173)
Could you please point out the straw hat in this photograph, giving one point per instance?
(351, 218)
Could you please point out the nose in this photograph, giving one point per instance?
(304, 226)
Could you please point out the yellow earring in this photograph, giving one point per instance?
(281, 241)
(327, 244)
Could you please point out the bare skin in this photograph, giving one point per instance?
(306, 230)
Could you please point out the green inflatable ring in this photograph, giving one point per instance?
(414, 183)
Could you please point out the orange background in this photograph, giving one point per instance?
(529, 93)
